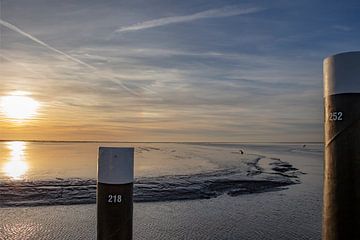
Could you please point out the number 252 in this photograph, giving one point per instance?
(336, 116)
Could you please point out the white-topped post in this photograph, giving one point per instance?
(341, 205)
(115, 193)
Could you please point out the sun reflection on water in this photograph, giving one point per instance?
(16, 166)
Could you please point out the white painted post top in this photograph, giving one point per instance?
(116, 165)
(342, 73)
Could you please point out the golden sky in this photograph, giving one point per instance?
(136, 71)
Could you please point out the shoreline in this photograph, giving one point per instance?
(272, 175)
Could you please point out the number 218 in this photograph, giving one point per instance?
(114, 198)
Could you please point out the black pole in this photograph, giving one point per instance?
(115, 193)
(341, 207)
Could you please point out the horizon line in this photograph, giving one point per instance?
(116, 141)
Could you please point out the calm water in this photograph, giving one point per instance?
(46, 160)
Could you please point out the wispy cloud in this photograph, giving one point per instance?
(108, 76)
(256, 76)
(227, 11)
(25, 34)
(342, 28)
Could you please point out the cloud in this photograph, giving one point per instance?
(25, 34)
(342, 28)
(227, 11)
(232, 83)
(110, 77)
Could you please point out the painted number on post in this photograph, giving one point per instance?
(114, 199)
(336, 116)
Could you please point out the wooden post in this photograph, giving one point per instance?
(115, 193)
(341, 207)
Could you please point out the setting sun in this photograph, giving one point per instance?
(18, 107)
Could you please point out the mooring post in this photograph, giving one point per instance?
(115, 193)
(341, 199)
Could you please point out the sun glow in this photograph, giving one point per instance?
(19, 107)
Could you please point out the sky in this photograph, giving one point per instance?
(190, 70)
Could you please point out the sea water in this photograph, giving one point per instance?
(44, 173)
(182, 190)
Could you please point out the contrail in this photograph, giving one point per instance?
(25, 34)
(111, 78)
(227, 11)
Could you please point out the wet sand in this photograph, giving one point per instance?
(292, 213)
